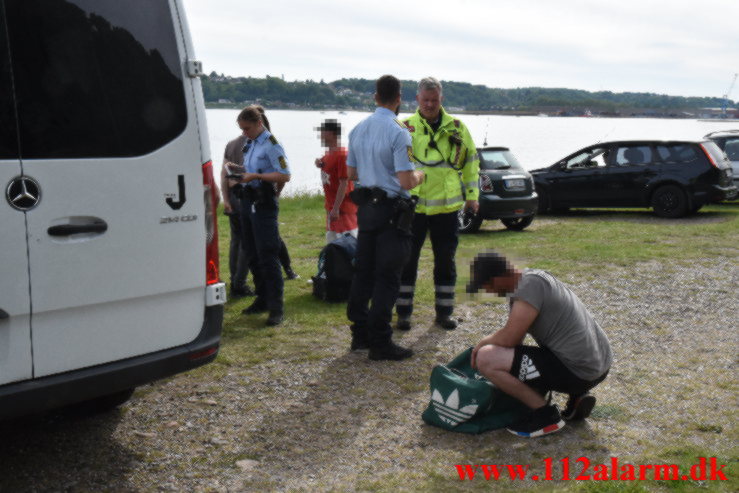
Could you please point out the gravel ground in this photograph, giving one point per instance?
(343, 423)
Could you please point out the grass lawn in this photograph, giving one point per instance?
(650, 411)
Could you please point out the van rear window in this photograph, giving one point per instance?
(94, 78)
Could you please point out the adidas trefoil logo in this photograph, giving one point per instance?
(449, 411)
(528, 371)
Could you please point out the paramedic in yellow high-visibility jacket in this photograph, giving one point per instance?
(442, 145)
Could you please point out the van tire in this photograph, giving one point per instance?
(669, 201)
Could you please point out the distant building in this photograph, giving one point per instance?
(718, 113)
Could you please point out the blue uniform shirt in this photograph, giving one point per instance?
(264, 155)
(379, 147)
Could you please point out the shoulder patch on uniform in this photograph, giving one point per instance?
(457, 123)
(410, 127)
(273, 139)
(283, 162)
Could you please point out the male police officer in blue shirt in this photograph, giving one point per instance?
(265, 168)
(380, 158)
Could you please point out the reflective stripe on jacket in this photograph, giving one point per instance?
(450, 163)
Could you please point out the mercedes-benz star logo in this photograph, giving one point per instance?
(23, 193)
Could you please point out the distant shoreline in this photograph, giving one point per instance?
(565, 114)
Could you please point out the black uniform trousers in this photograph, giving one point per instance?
(261, 239)
(382, 250)
(444, 232)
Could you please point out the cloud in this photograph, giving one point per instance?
(660, 46)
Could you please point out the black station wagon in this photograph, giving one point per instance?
(674, 178)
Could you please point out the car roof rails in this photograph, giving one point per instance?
(711, 134)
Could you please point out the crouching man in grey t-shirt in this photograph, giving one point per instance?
(573, 355)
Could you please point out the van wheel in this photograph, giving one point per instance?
(517, 223)
(669, 201)
(468, 222)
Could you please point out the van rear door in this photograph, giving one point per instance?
(107, 128)
(15, 302)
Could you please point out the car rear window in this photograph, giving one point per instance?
(677, 153)
(498, 159)
(93, 78)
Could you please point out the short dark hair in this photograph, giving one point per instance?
(487, 266)
(387, 88)
(330, 125)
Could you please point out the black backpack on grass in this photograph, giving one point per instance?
(335, 269)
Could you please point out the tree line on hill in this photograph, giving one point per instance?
(357, 94)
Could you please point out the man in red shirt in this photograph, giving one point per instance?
(341, 212)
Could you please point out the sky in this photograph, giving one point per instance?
(677, 47)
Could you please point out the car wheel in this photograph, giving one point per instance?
(468, 222)
(517, 223)
(669, 201)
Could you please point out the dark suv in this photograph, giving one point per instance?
(675, 178)
(506, 192)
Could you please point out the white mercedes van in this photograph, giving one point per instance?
(108, 242)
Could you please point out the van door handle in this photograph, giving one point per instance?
(71, 229)
(3, 314)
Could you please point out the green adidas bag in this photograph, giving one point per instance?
(465, 401)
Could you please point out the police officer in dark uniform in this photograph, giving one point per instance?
(265, 168)
(380, 158)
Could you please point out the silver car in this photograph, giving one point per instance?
(728, 141)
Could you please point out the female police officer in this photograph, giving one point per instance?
(265, 169)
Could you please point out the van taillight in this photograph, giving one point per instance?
(211, 225)
(710, 158)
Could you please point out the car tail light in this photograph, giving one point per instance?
(710, 158)
(211, 225)
(486, 184)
